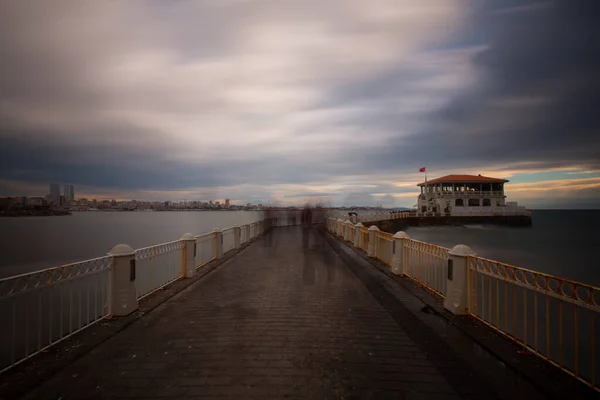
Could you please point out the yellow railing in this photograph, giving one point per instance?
(364, 238)
(549, 316)
(351, 233)
(384, 247)
(427, 264)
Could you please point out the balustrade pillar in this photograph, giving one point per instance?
(371, 249)
(398, 259)
(123, 298)
(188, 257)
(357, 234)
(457, 289)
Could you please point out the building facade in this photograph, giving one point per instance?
(69, 193)
(457, 195)
(55, 193)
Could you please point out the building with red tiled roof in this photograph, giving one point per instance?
(460, 194)
(464, 179)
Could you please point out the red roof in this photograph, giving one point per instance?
(464, 179)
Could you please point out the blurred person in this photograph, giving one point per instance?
(306, 222)
(270, 216)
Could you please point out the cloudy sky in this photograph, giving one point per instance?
(287, 101)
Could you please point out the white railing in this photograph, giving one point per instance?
(427, 264)
(205, 249)
(157, 266)
(228, 239)
(381, 216)
(41, 308)
(490, 211)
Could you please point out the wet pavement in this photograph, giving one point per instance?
(282, 319)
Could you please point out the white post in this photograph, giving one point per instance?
(398, 267)
(457, 289)
(357, 234)
(372, 240)
(188, 269)
(218, 243)
(237, 243)
(123, 299)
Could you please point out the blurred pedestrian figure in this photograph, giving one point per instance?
(306, 221)
(270, 217)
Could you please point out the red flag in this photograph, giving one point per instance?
(422, 169)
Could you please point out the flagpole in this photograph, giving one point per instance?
(426, 189)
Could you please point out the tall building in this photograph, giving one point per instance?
(55, 193)
(69, 192)
(227, 204)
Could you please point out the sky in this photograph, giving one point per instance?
(288, 101)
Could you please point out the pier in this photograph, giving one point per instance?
(258, 311)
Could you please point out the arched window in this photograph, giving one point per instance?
(487, 202)
(459, 203)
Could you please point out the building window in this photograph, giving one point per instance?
(473, 202)
(487, 202)
(424, 209)
(459, 203)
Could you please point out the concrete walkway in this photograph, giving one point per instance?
(276, 321)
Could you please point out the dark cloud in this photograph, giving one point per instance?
(104, 105)
(535, 101)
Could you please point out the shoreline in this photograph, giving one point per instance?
(34, 213)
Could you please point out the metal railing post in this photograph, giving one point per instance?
(458, 292)
(357, 234)
(371, 252)
(188, 258)
(123, 299)
(398, 267)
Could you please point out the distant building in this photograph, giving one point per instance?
(6, 202)
(55, 193)
(465, 194)
(69, 193)
(35, 201)
(227, 203)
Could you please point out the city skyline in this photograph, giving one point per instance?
(287, 102)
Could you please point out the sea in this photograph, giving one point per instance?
(560, 242)
(34, 243)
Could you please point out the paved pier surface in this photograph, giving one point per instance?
(276, 321)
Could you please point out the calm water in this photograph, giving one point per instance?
(33, 243)
(560, 242)
(563, 243)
